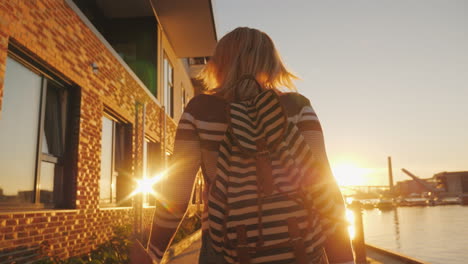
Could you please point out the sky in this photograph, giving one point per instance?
(386, 78)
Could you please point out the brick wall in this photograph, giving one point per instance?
(56, 36)
(3, 53)
(65, 232)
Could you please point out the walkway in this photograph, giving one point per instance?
(190, 253)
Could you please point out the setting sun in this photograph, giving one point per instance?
(347, 174)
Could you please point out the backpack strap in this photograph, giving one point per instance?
(242, 246)
(297, 242)
(277, 134)
(243, 78)
(264, 167)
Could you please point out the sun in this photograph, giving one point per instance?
(347, 174)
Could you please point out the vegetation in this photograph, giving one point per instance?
(114, 251)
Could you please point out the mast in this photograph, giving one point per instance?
(390, 174)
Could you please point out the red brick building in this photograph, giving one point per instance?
(90, 93)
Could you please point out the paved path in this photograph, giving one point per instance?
(190, 256)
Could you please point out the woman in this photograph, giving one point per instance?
(244, 59)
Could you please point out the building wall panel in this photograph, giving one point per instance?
(55, 35)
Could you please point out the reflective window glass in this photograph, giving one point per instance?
(168, 87)
(107, 143)
(19, 120)
(47, 182)
(145, 159)
(145, 168)
(152, 166)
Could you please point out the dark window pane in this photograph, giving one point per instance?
(120, 147)
(54, 113)
(122, 163)
(134, 38)
(18, 133)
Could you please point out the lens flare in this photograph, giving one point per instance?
(350, 219)
(145, 185)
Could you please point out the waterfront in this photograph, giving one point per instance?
(437, 235)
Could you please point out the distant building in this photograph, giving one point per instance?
(453, 182)
(412, 187)
(90, 95)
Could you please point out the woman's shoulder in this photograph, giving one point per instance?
(295, 97)
(205, 101)
(206, 106)
(294, 102)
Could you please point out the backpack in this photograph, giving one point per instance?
(265, 202)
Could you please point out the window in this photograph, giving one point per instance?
(198, 61)
(34, 144)
(184, 97)
(131, 30)
(115, 181)
(152, 165)
(168, 87)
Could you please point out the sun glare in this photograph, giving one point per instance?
(350, 219)
(347, 174)
(145, 185)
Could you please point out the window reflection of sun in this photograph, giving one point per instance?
(347, 174)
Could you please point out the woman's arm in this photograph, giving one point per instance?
(337, 245)
(175, 190)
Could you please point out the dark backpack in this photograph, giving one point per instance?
(265, 203)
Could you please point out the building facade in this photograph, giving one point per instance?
(454, 183)
(410, 188)
(90, 93)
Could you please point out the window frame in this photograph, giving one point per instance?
(41, 156)
(168, 84)
(126, 128)
(64, 201)
(113, 172)
(184, 97)
(151, 145)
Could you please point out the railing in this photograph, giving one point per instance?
(387, 256)
(364, 251)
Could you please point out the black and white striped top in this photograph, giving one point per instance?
(199, 133)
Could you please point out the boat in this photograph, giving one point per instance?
(368, 205)
(385, 204)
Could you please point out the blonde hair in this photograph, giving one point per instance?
(245, 52)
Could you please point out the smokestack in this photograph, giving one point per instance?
(390, 174)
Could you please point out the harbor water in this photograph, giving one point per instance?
(437, 234)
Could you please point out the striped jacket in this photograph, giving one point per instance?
(199, 133)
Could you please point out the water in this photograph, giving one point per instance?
(436, 235)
